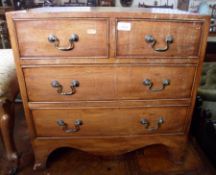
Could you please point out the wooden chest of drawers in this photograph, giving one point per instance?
(107, 80)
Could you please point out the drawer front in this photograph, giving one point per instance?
(109, 122)
(73, 38)
(108, 83)
(161, 39)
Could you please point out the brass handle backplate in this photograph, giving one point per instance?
(56, 42)
(151, 40)
(147, 124)
(73, 86)
(150, 84)
(65, 128)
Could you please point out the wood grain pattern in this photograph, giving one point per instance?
(110, 104)
(115, 81)
(109, 82)
(110, 122)
(132, 43)
(152, 160)
(175, 145)
(93, 35)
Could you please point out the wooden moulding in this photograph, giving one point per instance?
(123, 58)
(176, 146)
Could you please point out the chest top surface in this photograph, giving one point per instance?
(108, 11)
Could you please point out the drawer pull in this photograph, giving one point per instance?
(56, 84)
(55, 41)
(150, 39)
(150, 84)
(146, 124)
(65, 128)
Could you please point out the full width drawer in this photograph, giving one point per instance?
(109, 122)
(64, 37)
(108, 82)
(156, 38)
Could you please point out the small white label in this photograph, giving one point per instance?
(124, 26)
(91, 31)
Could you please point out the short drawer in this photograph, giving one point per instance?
(68, 37)
(108, 82)
(156, 38)
(109, 122)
